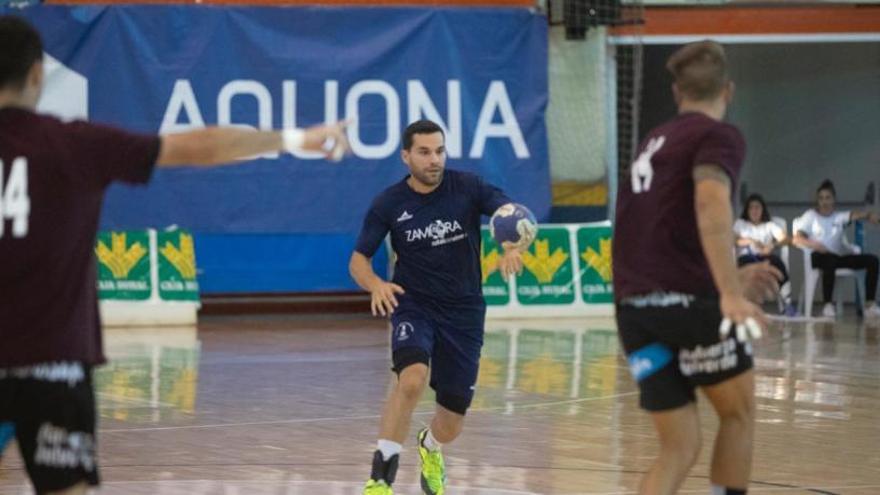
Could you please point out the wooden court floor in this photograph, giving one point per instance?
(280, 406)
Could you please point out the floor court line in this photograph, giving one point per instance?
(352, 418)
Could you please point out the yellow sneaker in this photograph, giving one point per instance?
(433, 468)
(377, 488)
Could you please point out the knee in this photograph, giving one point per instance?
(740, 412)
(685, 449)
(411, 382)
(447, 429)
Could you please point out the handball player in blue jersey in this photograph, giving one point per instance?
(435, 299)
(684, 312)
(52, 181)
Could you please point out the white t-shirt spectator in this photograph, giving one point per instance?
(829, 230)
(766, 233)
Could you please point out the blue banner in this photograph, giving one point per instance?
(481, 73)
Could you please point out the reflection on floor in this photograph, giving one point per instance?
(271, 405)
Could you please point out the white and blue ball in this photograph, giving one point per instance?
(513, 226)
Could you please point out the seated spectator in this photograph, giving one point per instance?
(756, 239)
(823, 230)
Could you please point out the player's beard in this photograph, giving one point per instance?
(427, 178)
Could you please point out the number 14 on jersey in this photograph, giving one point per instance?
(15, 204)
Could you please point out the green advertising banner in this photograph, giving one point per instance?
(177, 266)
(547, 276)
(594, 251)
(123, 265)
(495, 289)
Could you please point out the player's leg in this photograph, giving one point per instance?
(454, 368)
(54, 418)
(446, 425)
(396, 417)
(412, 341)
(734, 402)
(664, 392)
(679, 433)
(409, 386)
(456, 363)
(723, 371)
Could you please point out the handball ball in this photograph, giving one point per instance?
(513, 226)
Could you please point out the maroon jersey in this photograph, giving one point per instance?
(656, 244)
(52, 181)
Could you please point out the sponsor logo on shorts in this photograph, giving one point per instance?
(61, 449)
(404, 330)
(715, 358)
(70, 372)
(648, 360)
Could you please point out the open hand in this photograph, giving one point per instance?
(746, 316)
(510, 263)
(383, 300)
(760, 281)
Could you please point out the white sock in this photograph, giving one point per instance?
(389, 449)
(718, 490)
(431, 443)
(785, 292)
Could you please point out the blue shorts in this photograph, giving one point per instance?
(452, 353)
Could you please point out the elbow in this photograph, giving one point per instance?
(351, 268)
(705, 200)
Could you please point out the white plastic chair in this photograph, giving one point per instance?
(812, 275)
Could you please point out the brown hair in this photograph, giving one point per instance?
(700, 70)
(22, 48)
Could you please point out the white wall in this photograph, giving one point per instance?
(576, 120)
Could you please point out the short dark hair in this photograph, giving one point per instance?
(22, 48)
(700, 70)
(420, 127)
(765, 213)
(827, 185)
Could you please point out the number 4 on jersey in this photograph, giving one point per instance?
(15, 204)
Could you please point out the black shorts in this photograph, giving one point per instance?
(53, 409)
(453, 353)
(672, 345)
